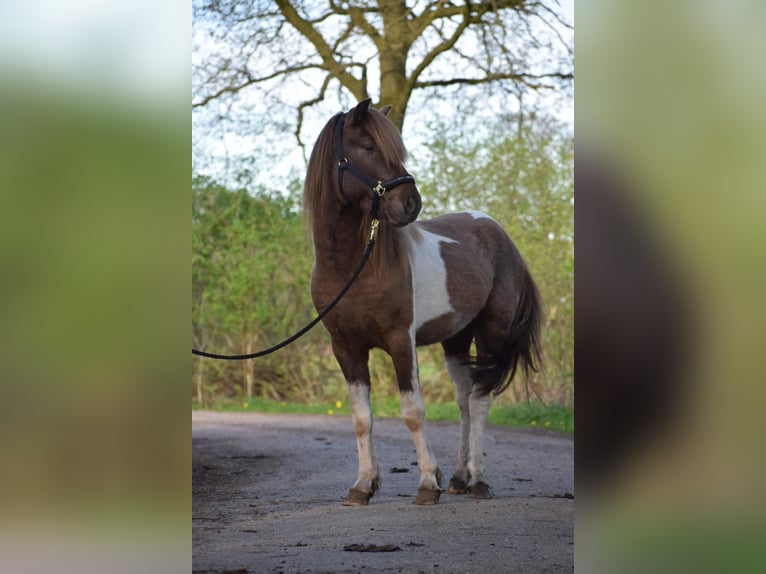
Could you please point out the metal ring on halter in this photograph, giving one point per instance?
(380, 189)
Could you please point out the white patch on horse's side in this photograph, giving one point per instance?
(476, 214)
(429, 277)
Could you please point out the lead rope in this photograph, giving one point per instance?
(365, 256)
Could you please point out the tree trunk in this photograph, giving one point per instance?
(393, 60)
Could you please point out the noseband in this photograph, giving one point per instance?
(377, 186)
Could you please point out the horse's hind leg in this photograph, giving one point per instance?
(455, 356)
(478, 405)
(491, 331)
(474, 407)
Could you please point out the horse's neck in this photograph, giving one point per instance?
(337, 243)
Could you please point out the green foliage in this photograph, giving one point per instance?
(252, 259)
(251, 266)
(520, 171)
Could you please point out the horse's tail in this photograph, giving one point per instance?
(521, 346)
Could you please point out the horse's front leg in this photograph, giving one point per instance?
(354, 366)
(402, 351)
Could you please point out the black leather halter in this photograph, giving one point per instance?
(377, 186)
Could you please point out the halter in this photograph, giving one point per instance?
(377, 186)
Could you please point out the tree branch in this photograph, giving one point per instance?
(442, 47)
(338, 10)
(439, 10)
(306, 104)
(249, 81)
(357, 17)
(354, 85)
(553, 29)
(525, 79)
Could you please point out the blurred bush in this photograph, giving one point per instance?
(93, 256)
(671, 132)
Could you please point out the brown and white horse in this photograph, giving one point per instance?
(452, 280)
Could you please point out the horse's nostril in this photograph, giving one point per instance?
(413, 205)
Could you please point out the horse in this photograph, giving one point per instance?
(456, 279)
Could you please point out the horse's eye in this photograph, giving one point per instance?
(369, 147)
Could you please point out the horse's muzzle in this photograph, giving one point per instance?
(400, 211)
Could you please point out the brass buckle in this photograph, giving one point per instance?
(374, 229)
(379, 189)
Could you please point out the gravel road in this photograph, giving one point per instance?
(267, 496)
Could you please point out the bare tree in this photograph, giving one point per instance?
(368, 48)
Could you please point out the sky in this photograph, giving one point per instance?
(218, 145)
(134, 51)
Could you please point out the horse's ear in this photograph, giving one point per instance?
(358, 113)
(385, 109)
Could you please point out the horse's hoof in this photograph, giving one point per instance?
(357, 498)
(480, 490)
(457, 486)
(427, 497)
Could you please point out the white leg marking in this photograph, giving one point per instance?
(462, 379)
(361, 416)
(479, 407)
(413, 413)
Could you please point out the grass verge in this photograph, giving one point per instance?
(523, 415)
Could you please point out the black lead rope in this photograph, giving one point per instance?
(322, 315)
(307, 328)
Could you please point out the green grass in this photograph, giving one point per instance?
(523, 415)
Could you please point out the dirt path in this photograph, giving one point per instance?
(267, 493)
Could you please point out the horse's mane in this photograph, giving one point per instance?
(319, 175)
(320, 189)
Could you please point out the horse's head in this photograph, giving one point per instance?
(371, 159)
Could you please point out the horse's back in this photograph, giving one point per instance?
(476, 234)
(456, 260)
